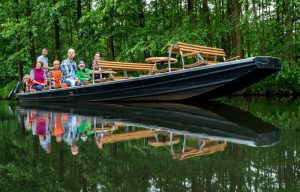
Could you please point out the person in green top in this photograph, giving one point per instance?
(83, 74)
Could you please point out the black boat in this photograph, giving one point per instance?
(213, 120)
(205, 82)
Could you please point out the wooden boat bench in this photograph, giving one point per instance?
(113, 138)
(122, 66)
(194, 152)
(204, 55)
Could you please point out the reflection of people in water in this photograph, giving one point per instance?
(84, 128)
(42, 132)
(71, 133)
(58, 130)
(98, 138)
(74, 148)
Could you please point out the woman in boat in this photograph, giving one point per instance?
(97, 70)
(38, 77)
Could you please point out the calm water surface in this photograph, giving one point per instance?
(243, 145)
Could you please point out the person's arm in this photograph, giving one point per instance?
(80, 75)
(64, 70)
(49, 68)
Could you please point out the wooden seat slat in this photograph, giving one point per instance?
(126, 66)
(192, 152)
(198, 46)
(206, 55)
(204, 51)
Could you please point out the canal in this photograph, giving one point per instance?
(227, 145)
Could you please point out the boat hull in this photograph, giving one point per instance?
(206, 82)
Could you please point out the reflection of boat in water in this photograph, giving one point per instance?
(213, 121)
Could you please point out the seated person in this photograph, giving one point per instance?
(38, 77)
(68, 68)
(26, 83)
(56, 74)
(96, 68)
(83, 74)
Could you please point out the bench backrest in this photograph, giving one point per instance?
(190, 152)
(208, 55)
(121, 66)
(203, 50)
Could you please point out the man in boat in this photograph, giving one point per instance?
(68, 69)
(38, 77)
(44, 59)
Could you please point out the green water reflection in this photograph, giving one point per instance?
(151, 147)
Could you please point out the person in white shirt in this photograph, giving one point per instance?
(44, 59)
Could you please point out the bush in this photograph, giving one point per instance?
(6, 88)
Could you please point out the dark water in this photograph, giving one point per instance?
(238, 146)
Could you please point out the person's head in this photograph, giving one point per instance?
(81, 65)
(56, 64)
(100, 145)
(59, 138)
(71, 53)
(39, 65)
(97, 56)
(45, 52)
(74, 149)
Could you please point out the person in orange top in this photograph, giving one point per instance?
(58, 130)
(56, 74)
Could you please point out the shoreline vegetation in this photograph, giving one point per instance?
(131, 31)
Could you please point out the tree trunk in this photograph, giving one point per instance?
(238, 31)
(79, 13)
(141, 15)
(110, 40)
(191, 14)
(288, 25)
(20, 66)
(30, 35)
(111, 49)
(57, 38)
(206, 21)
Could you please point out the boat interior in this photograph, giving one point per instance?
(180, 56)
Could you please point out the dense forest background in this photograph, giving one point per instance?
(132, 30)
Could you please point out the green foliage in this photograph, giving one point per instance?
(135, 29)
(6, 88)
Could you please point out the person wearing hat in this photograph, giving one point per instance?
(83, 74)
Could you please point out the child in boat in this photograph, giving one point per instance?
(83, 74)
(56, 74)
(38, 77)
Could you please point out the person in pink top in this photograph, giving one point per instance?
(38, 77)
